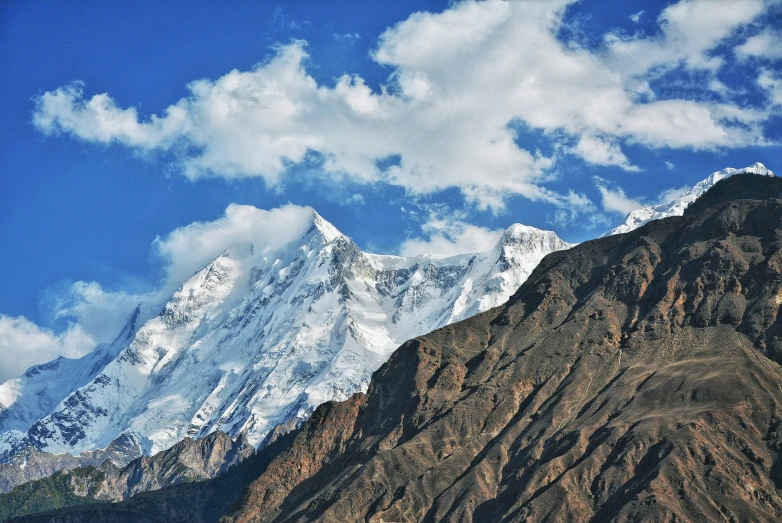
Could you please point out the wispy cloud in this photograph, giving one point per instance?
(347, 38)
(615, 200)
(445, 233)
(636, 17)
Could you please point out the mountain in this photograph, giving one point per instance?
(260, 337)
(630, 378)
(676, 206)
(186, 462)
(32, 464)
(30, 397)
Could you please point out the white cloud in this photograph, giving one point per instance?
(97, 312)
(690, 30)
(670, 165)
(615, 200)
(95, 315)
(458, 79)
(600, 151)
(772, 85)
(348, 38)
(766, 44)
(636, 17)
(189, 248)
(356, 199)
(451, 236)
(24, 344)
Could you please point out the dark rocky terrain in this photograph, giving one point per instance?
(631, 378)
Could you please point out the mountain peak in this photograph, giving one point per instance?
(328, 231)
(758, 168)
(524, 234)
(519, 231)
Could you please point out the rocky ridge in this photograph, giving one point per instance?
(32, 464)
(632, 378)
(677, 205)
(186, 462)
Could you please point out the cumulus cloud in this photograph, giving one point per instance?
(458, 79)
(24, 344)
(615, 200)
(189, 248)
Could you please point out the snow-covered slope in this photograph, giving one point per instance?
(675, 207)
(33, 395)
(260, 336)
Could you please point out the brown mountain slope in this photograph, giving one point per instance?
(628, 380)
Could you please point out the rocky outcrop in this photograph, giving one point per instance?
(186, 462)
(32, 464)
(632, 378)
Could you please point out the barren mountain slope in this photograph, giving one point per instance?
(629, 379)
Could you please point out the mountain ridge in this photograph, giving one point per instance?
(612, 386)
(258, 337)
(628, 379)
(677, 205)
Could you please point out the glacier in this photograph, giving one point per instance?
(258, 337)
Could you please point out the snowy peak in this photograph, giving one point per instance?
(263, 334)
(708, 183)
(676, 206)
(758, 168)
(524, 235)
(329, 232)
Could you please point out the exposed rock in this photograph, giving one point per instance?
(32, 464)
(186, 462)
(629, 379)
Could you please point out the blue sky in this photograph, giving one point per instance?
(411, 126)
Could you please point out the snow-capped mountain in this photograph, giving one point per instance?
(258, 337)
(675, 207)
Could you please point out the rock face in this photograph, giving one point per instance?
(32, 464)
(677, 205)
(257, 338)
(631, 378)
(186, 462)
